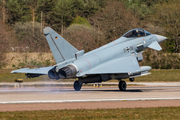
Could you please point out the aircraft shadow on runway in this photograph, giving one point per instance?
(96, 90)
(24, 90)
(104, 90)
(135, 90)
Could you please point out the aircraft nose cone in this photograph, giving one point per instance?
(161, 38)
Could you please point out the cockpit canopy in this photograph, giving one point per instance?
(138, 32)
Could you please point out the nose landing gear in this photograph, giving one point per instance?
(131, 79)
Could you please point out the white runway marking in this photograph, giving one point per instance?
(88, 100)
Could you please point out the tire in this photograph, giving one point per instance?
(77, 86)
(122, 85)
(131, 79)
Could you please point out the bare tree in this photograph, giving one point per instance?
(4, 11)
(114, 20)
(167, 16)
(84, 37)
(36, 41)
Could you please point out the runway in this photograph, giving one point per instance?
(87, 94)
(108, 97)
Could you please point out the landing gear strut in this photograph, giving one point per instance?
(77, 86)
(122, 85)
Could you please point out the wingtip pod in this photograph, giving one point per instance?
(47, 30)
(144, 70)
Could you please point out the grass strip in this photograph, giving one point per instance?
(161, 75)
(160, 113)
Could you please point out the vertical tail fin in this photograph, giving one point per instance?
(60, 48)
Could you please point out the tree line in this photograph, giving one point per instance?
(161, 15)
(88, 24)
(55, 13)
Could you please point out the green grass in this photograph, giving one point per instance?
(161, 75)
(157, 75)
(6, 76)
(161, 113)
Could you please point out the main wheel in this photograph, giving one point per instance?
(122, 85)
(77, 86)
(131, 79)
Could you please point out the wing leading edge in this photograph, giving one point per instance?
(41, 71)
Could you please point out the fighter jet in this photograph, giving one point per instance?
(115, 60)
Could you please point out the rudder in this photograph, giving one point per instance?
(60, 48)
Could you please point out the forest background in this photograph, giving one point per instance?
(87, 24)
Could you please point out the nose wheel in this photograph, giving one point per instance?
(131, 79)
(122, 85)
(77, 86)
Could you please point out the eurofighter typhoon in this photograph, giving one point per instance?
(116, 60)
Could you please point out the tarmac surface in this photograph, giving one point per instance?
(50, 97)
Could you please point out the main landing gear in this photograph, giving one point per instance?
(122, 85)
(77, 86)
